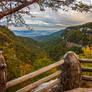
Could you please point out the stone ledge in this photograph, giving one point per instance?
(81, 90)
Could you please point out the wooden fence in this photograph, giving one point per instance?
(69, 73)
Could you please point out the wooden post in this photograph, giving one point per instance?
(2, 73)
(71, 72)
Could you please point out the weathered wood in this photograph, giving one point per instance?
(48, 86)
(71, 72)
(87, 69)
(33, 74)
(85, 60)
(2, 73)
(37, 83)
(87, 78)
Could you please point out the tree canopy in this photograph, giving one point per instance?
(14, 8)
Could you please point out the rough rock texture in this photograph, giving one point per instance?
(81, 90)
(74, 90)
(55, 89)
(71, 44)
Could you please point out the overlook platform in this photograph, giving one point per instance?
(68, 76)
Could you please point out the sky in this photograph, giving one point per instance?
(55, 20)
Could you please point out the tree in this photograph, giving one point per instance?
(14, 8)
(11, 10)
(87, 51)
(74, 36)
(90, 40)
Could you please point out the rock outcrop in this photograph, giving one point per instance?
(81, 90)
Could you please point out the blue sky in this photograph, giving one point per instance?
(55, 20)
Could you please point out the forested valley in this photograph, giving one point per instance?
(24, 55)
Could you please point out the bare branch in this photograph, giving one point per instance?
(13, 10)
(10, 11)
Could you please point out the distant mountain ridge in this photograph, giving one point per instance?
(83, 27)
(33, 33)
(69, 33)
(49, 37)
(86, 26)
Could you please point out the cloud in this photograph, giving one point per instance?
(50, 19)
(39, 22)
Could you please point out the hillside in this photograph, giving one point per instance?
(22, 54)
(49, 40)
(86, 26)
(56, 43)
(80, 34)
(48, 37)
(53, 44)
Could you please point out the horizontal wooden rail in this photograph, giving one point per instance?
(69, 57)
(33, 74)
(49, 86)
(87, 69)
(87, 78)
(85, 60)
(37, 83)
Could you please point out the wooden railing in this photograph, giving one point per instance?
(68, 67)
(85, 60)
(86, 69)
(34, 74)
